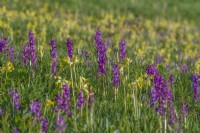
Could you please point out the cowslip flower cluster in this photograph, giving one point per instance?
(53, 56)
(69, 47)
(63, 100)
(80, 101)
(35, 108)
(8, 67)
(195, 87)
(15, 98)
(116, 74)
(160, 92)
(3, 43)
(101, 52)
(122, 48)
(29, 52)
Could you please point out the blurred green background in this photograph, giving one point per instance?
(170, 9)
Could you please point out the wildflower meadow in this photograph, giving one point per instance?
(99, 66)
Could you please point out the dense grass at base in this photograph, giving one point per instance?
(170, 9)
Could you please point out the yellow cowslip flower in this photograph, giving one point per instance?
(8, 67)
(140, 53)
(127, 95)
(140, 82)
(49, 103)
(128, 60)
(121, 69)
(77, 59)
(69, 61)
(67, 82)
(197, 66)
(83, 80)
(129, 85)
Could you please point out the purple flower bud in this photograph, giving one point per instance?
(29, 52)
(9, 52)
(122, 47)
(15, 131)
(171, 79)
(15, 98)
(80, 101)
(184, 68)
(25, 54)
(69, 47)
(184, 108)
(172, 116)
(1, 112)
(60, 124)
(195, 87)
(116, 74)
(151, 70)
(101, 52)
(44, 125)
(86, 55)
(33, 57)
(3, 43)
(63, 99)
(35, 108)
(53, 66)
(53, 56)
(53, 49)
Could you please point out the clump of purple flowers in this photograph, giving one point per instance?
(29, 52)
(80, 101)
(53, 56)
(69, 47)
(101, 52)
(160, 92)
(33, 56)
(116, 75)
(122, 47)
(195, 87)
(35, 108)
(15, 98)
(63, 100)
(3, 43)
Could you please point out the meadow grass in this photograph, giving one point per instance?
(164, 33)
